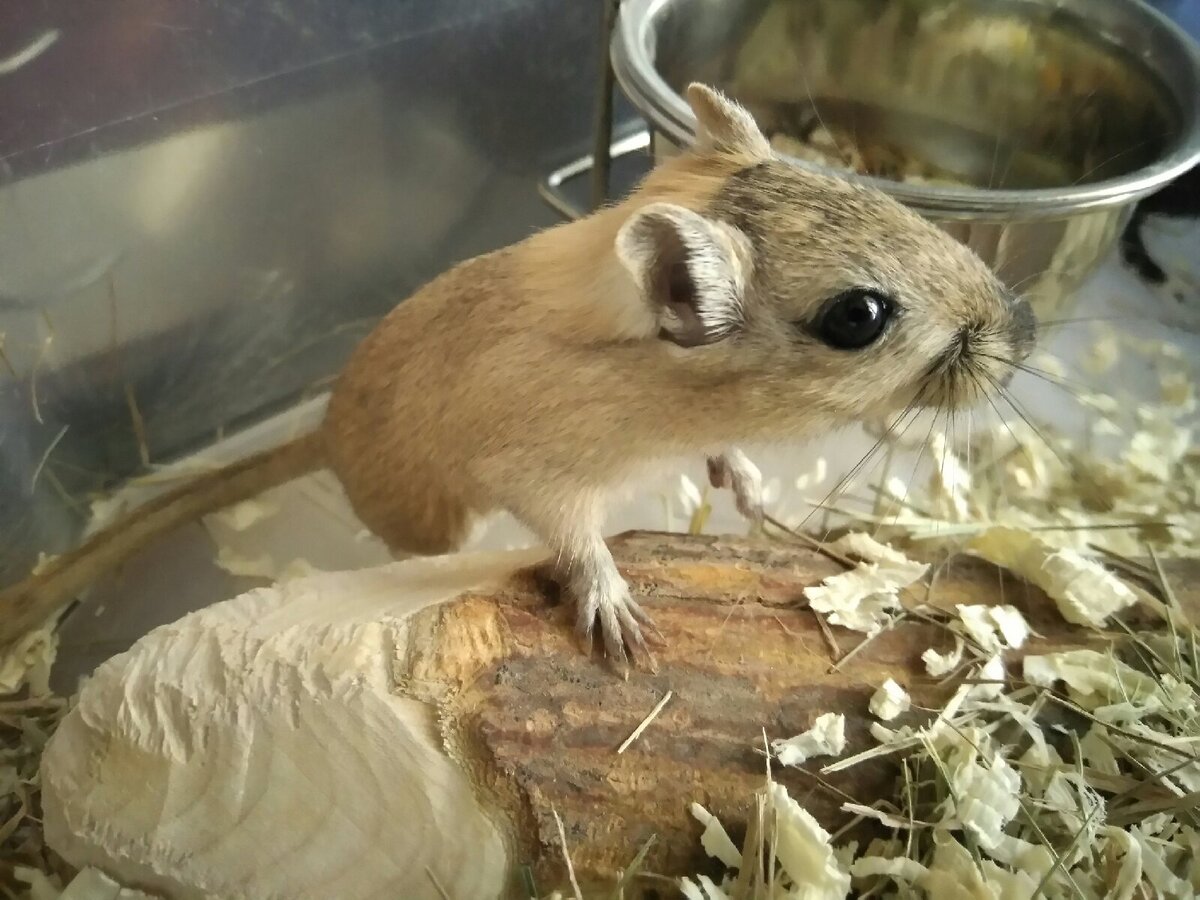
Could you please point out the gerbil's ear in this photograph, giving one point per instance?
(689, 270)
(724, 124)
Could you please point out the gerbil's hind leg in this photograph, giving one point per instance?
(585, 569)
(734, 470)
(421, 520)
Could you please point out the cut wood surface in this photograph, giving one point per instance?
(352, 735)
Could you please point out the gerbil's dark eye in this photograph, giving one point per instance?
(854, 319)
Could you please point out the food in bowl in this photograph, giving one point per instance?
(841, 151)
(957, 94)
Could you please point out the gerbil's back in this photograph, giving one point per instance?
(390, 407)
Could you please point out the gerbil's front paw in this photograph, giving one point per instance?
(735, 471)
(607, 602)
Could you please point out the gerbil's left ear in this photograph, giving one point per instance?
(689, 269)
(724, 124)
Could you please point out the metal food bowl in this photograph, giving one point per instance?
(1028, 129)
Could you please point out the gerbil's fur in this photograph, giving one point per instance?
(683, 320)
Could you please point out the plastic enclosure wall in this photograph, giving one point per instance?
(204, 205)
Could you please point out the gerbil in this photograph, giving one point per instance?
(733, 297)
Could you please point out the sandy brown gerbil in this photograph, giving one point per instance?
(732, 298)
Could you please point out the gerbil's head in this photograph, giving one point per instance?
(800, 287)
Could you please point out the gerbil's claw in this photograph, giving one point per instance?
(718, 472)
(643, 617)
(618, 616)
(611, 630)
(629, 614)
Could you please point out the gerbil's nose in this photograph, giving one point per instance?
(1023, 327)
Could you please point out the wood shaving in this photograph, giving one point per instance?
(1178, 391)
(261, 565)
(1085, 592)
(1097, 680)
(702, 888)
(1011, 624)
(984, 792)
(866, 548)
(243, 565)
(27, 662)
(863, 598)
(688, 495)
(805, 850)
(243, 515)
(939, 664)
(715, 839)
(1001, 812)
(1103, 354)
(889, 701)
(26, 724)
(819, 473)
(980, 627)
(827, 737)
(1155, 451)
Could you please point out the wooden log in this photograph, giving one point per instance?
(409, 730)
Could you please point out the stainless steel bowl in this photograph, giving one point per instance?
(1048, 118)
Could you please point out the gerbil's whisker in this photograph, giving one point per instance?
(1017, 286)
(849, 476)
(951, 446)
(843, 482)
(1076, 389)
(917, 465)
(1081, 320)
(1028, 420)
(813, 103)
(999, 415)
(991, 182)
(1104, 162)
(970, 437)
(987, 395)
(1007, 167)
